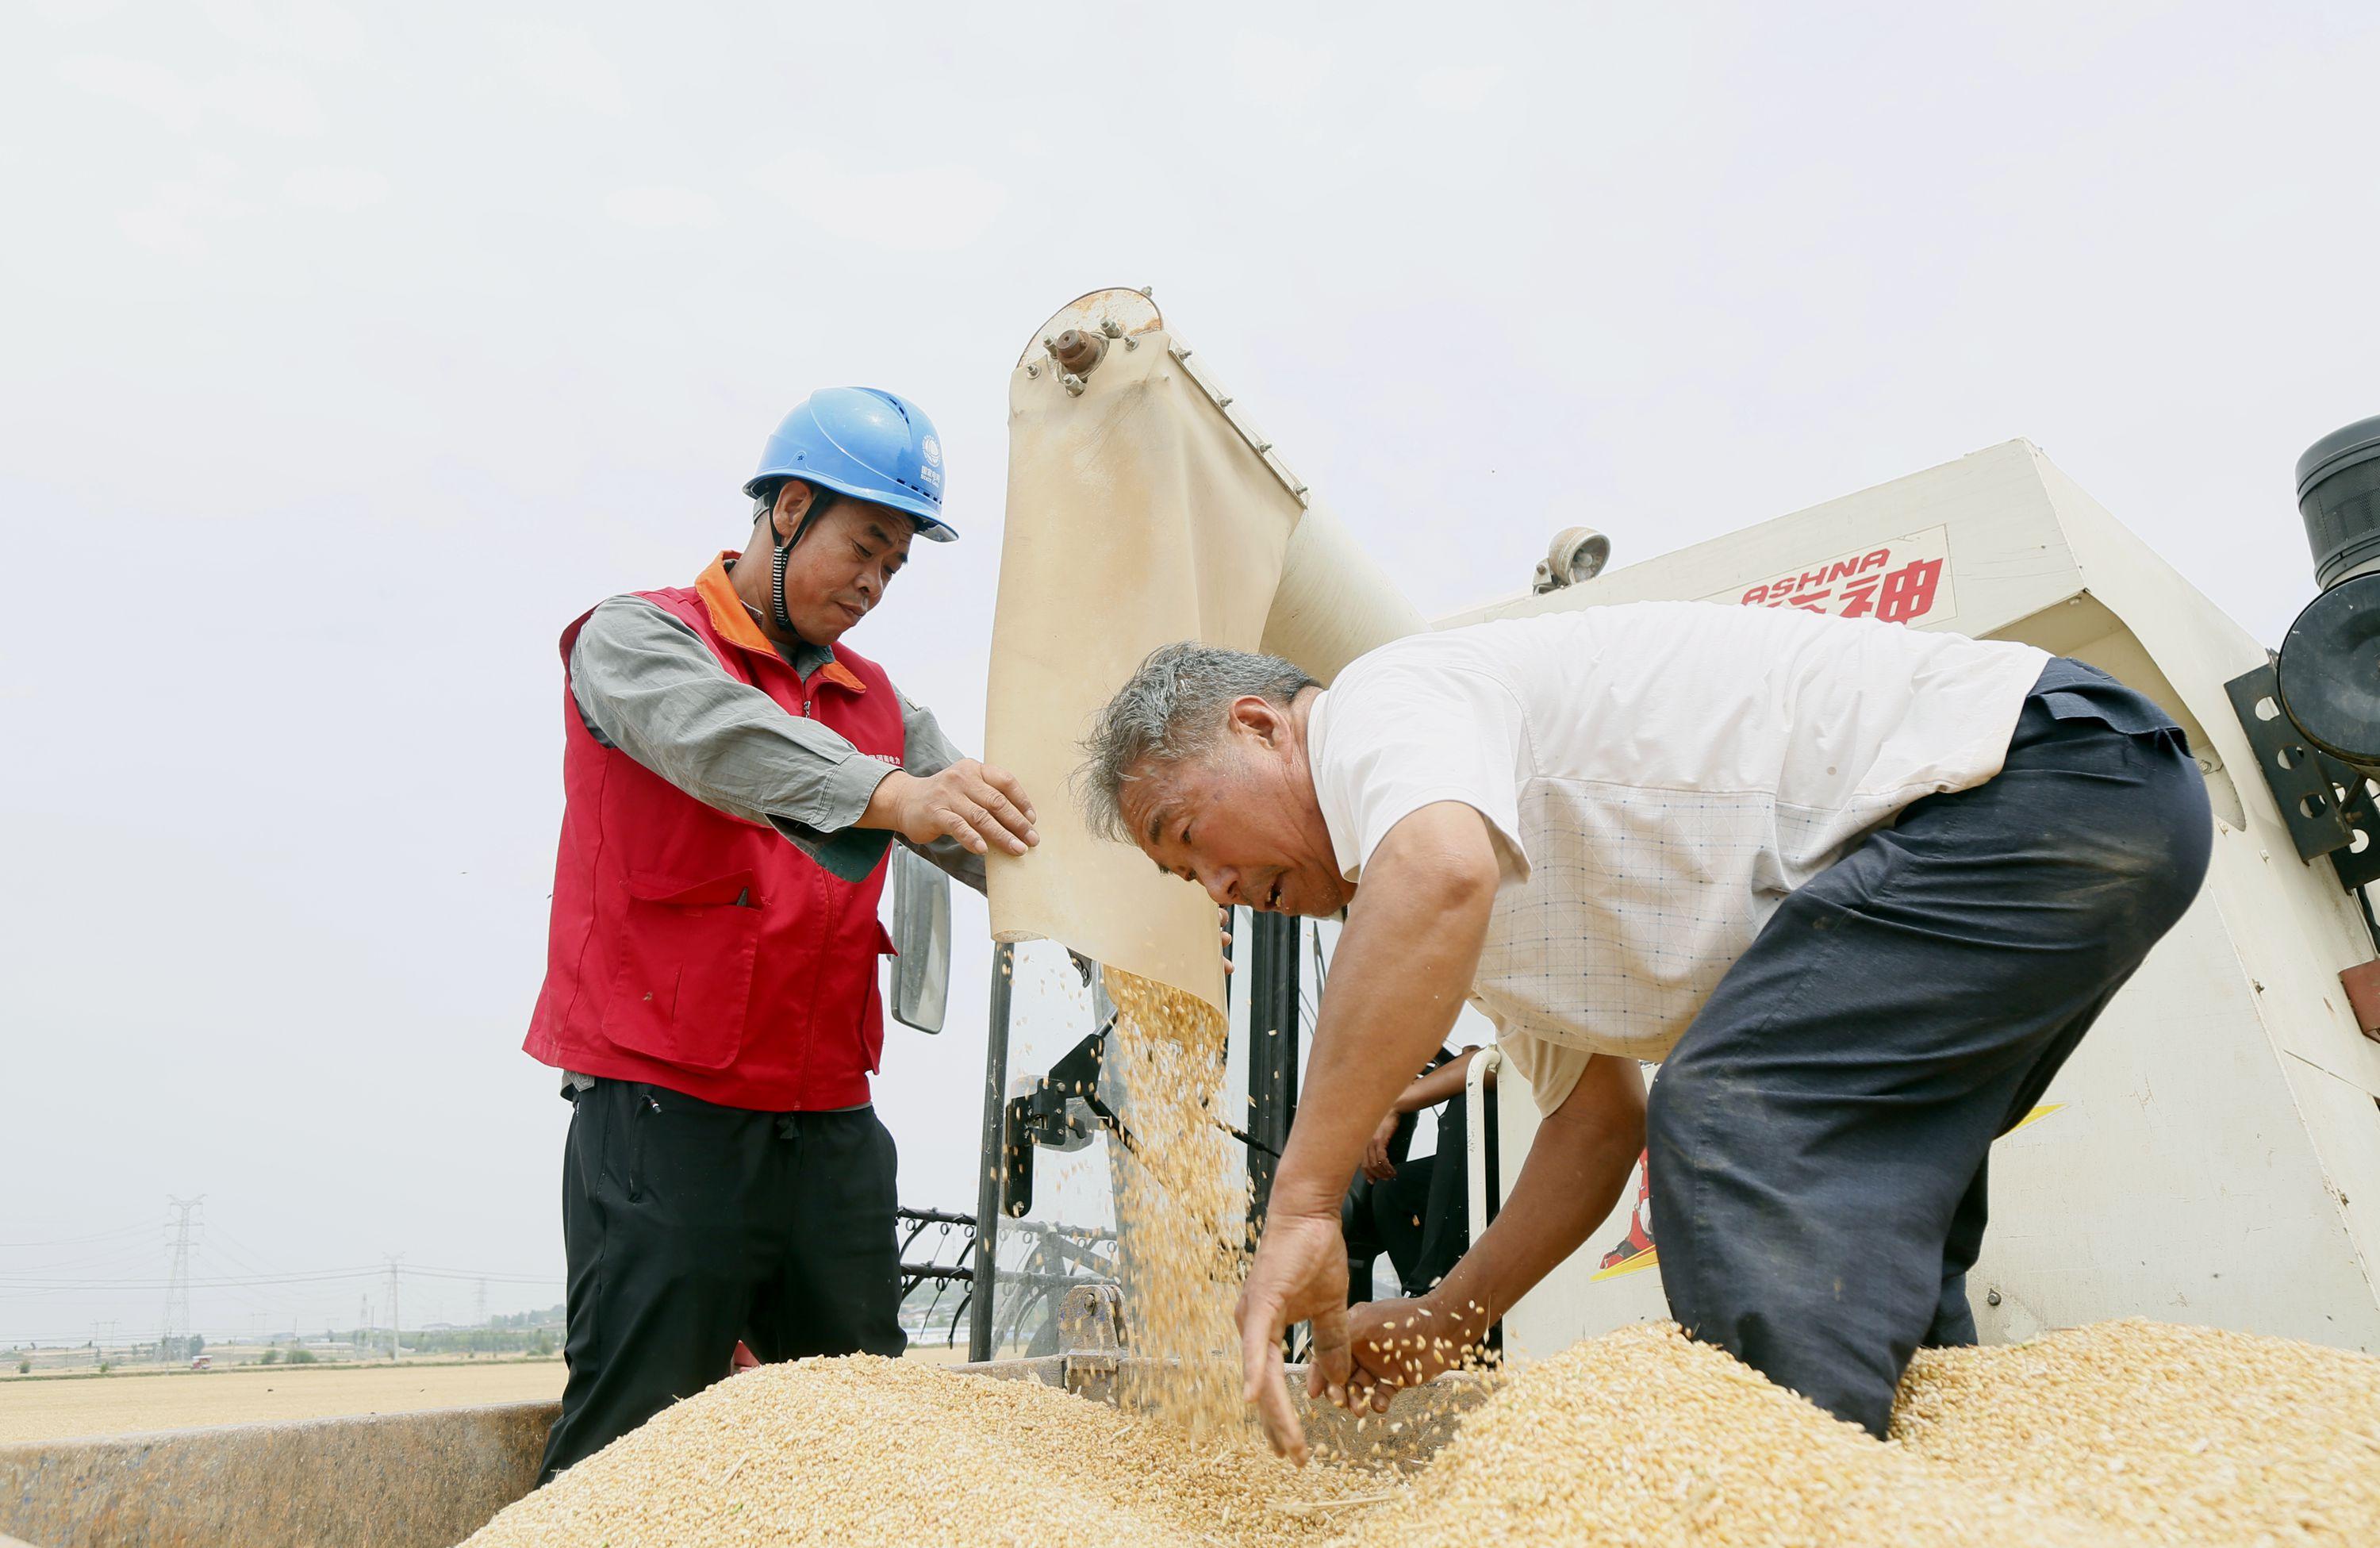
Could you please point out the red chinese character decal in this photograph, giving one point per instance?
(1908, 592)
(1862, 587)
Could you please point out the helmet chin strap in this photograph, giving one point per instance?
(820, 500)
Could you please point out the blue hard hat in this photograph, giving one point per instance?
(866, 444)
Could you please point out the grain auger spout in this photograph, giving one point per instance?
(1145, 507)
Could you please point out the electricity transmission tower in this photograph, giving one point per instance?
(394, 1321)
(481, 1306)
(173, 1333)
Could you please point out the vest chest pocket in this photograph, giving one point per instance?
(685, 980)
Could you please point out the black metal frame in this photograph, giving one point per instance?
(995, 1131)
(1270, 974)
(1044, 1116)
(1073, 1249)
(1273, 1043)
(941, 1275)
(2325, 804)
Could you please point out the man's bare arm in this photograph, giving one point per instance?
(1576, 1169)
(1429, 1089)
(1403, 966)
(1401, 974)
(1442, 1084)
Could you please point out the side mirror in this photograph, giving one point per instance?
(921, 935)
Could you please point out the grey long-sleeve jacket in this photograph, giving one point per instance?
(645, 683)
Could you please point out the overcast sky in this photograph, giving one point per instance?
(347, 354)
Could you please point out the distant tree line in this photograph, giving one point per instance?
(515, 1333)
(469, 1341)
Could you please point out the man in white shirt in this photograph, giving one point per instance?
(1859, 889)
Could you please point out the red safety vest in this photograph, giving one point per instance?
(695, 950)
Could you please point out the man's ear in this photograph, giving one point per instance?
(1255, 713)
(793, 499)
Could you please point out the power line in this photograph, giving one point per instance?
(481, 1274)
(122, 1254)
(198, 1282)
(78, 1241)
(41, 1286)
(245, 1258)
(222, 1243)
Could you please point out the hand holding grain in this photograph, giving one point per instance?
(1396, 1344)
(1299, 1274)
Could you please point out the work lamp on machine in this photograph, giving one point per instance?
(2313, 711)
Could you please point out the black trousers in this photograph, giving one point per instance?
(1817, 1139)
(689, 1225)
(1421, 1217)
(1393, 1217)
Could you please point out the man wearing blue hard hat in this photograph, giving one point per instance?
(732, 777)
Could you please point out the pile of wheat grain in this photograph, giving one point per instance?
(869, 1453)
(1644, 1437)
(2122, 1434)
(2126, 1433)
(2171, 1434)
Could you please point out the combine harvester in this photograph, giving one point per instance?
(2212, 1152)
(2210, 1155)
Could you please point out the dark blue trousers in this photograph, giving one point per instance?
(1817, 1139)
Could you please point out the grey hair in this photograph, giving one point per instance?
(1171, 708)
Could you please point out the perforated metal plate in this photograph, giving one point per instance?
(2329, 806)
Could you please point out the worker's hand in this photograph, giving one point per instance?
(975, 803)
(1377, 1165)
(1224, 927)
(1399, 1344)
(1300, 1274)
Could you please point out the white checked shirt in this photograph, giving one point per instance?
(1658, 776)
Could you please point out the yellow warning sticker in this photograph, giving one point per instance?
(2035, 1116)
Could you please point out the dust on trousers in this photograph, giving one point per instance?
(1819, 1140)
(689, 1225)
